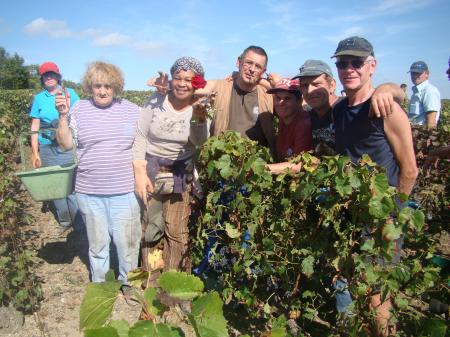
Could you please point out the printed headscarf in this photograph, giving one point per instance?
(187, 63)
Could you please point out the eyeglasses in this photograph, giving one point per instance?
(356, 64)
(250, 64)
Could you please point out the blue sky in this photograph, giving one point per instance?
(142, 37)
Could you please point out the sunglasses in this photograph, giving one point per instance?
(356, 64)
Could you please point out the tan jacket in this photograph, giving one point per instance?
(223, 89)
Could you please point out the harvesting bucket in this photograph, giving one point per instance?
(47, 183)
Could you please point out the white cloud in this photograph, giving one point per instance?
(395, 29)
(112, 39)
(149, 48)
(351, 31)
(54, 28)
(401, 5)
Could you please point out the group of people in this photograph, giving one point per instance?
(134, 161)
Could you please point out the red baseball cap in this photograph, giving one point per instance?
(47, 67)
(286, 84)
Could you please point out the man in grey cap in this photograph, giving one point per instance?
(425, 103)
(318, 90)
(318, 87)
(387, 141)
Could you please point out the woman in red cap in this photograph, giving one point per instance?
(44, 148)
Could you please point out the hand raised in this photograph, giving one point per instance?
(62, 101)
(161, 83)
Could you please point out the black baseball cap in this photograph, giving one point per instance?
(418, 67)
(354, 46)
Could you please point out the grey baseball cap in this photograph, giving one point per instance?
(418, 67)
(354, 46)
(314, 68)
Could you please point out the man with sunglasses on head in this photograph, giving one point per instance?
(425, 103)
(387, 141)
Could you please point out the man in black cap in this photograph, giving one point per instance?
(387, 141)
(425, 103)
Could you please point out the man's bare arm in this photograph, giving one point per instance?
(431, 119)
(384, 98)
(399, 135)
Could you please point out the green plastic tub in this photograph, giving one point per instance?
(48, 183)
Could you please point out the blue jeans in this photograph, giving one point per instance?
(343, 297)
(116, 217)
(67, 208)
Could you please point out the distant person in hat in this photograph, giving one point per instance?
(294, 129)
(425, 103)
(405, 102)
(387, 141)
(439, 153)
(44, 148)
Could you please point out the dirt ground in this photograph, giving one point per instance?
(62, 264)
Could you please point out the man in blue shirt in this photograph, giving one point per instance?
(425, 103)
(44, 149)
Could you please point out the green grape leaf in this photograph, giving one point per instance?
(181, 285)
(150, 329)
(308, 265)
(391, 232)
(107, 331)
(122, 327)
(207, 316)
(154, 306)
(98, 303)
(232, 231)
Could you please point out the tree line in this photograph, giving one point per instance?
(14, 74)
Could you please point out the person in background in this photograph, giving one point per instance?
(448, 70)
(169, 130)
(425, 102)
(405, 102)
(387, 141)
(104, 127)
(439, 153)
(343, 94)
(45, 151)
(294, 128)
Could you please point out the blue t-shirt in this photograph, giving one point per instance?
(44, 109)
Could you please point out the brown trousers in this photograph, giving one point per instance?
(176, 210)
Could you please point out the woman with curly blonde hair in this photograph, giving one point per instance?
(104, 127)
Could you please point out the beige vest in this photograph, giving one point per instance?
(221, 119)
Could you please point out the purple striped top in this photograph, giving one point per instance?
(104, 140)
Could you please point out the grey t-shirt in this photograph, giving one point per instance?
(244, 115)
(166, 133)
